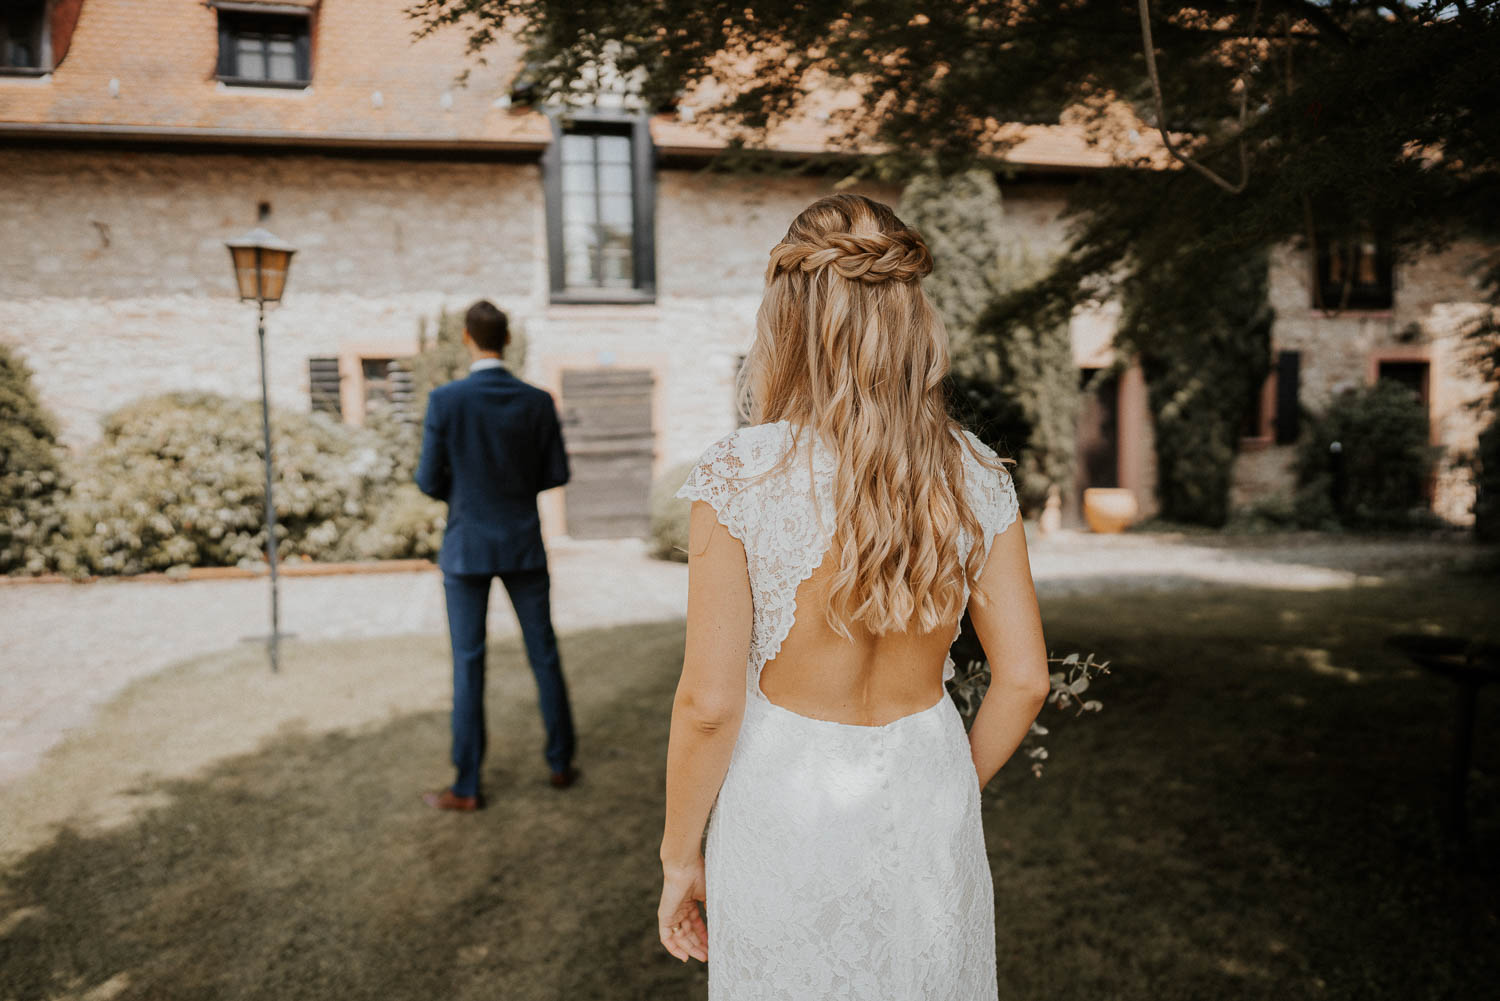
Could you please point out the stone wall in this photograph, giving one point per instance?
(114, 284)
(1434, 296)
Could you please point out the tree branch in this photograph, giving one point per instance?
(1161, 113)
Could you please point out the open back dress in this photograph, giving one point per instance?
(843, 861)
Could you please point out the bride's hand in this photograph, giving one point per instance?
(679, 920)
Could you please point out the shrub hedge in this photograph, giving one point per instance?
(178, 480)
(33, 487)
(1377, 475)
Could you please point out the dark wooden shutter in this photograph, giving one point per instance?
(323, 385)
(226, 45)
(1288, 395)
(606, 416)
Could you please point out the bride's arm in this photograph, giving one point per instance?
(1009, 627)
(706, 713)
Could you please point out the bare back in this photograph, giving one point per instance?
(870, 681)
(773, 491)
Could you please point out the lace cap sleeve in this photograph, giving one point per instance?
(717, 479)
(991, 492)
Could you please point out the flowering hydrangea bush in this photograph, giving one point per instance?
(178, 480)
(33, 486)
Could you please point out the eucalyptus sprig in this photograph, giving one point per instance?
(1074, 676)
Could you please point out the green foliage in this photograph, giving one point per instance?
(32, 484)
(407, 524)
(1204, 343)
(1308, 507)
(178, 480)
(1377, 477)
(1014, 385)
(1023, 398)
(960, 217)
(669, 515)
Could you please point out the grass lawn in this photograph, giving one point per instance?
(1253, 815)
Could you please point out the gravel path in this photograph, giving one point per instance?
(68, 649)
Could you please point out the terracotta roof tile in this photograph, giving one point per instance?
(146, 68)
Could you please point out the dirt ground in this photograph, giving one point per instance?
(1254, 814)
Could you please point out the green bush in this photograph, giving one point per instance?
(1014, 386)
(32, 484)
(962, 220)
(178, 480)
(669, 515)
(1205, 348)
(407, 525)
(1377, 477)
(1022, 397)
(1304, 508)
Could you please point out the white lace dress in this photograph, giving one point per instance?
(843, 862)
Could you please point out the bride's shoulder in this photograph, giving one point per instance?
(747, 450)
(978, 456)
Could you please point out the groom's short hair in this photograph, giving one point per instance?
(487, 326)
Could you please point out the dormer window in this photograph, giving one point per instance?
(270, 47)
(23, 37)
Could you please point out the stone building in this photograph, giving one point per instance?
(137, 135)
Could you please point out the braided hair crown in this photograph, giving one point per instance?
(857, 237)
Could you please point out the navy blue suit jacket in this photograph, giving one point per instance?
(490, 444)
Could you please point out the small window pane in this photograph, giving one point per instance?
(615, 211)
(578, 264)
(578, 149)
(281, 60)
(618, 270)
(578, 209)
(614, 178)
(614, 149)
(578, 177)
(249, 59)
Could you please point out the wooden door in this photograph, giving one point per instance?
(606, 415)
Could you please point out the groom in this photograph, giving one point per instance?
(490, 444)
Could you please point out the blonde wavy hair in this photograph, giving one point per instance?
(848, 346)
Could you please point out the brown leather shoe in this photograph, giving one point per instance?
(565, 778)
(445, 800)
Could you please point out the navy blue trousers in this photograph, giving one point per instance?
(468, 597)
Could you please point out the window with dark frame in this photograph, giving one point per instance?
(600, 206)
(1414, 375)
(1354, 273)
(22, 36)
(264, 50)
(386, 384)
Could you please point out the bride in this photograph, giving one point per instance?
(833, 548)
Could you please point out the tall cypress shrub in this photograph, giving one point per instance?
(1014, 385)
(1205, 349)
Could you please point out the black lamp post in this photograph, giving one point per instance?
(261, 262)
